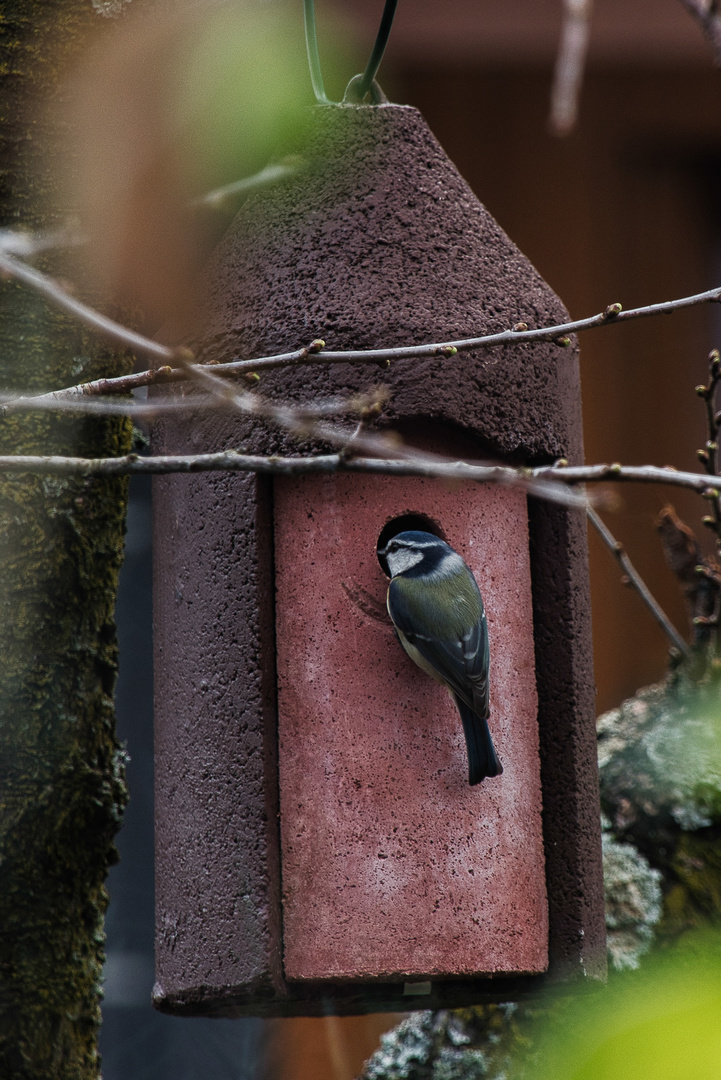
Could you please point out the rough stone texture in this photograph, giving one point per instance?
(378, 242)
(569, 767)
(215, 744)
(392, 865)
(381, 242)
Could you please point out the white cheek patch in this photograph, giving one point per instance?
(403, 559)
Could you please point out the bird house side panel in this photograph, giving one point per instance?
(392, 865)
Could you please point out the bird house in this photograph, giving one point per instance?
(318, 844)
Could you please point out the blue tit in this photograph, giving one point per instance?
(437, 610)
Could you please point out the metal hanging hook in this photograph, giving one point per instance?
(360, 86)
(311, 44)
(384, 32)
(355, 94)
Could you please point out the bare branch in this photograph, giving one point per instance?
(698, 576)
(49, 288)
(634, 579)
(122, 384)
(97, 406)
(425, 465)
(316, 353)
(570, 64)
(545, 482)
(300, 421)
(26, 244)
(708, 455)
(634, 474)
(267, 177)
(706, 14)
(519, 335)
(302, 412)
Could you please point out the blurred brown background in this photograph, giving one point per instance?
(623, 209)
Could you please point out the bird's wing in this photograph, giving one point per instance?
(461, 661)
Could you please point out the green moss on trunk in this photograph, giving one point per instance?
(61, 770)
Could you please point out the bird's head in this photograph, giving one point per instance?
(420, 554)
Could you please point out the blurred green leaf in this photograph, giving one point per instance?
(660, 1023)
(243, 92)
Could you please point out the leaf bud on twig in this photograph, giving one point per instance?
(612, 310)
(709, 522)
(520, 327)
(710, 493)
(702, 456)
(563, 342)
(702, 390)
(316, 346)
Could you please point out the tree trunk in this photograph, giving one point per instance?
(62, 785)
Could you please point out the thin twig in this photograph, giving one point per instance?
(634, 474)
(706, 14)
(267, 177)
(100, 407)
(558, 334)
(354, 442)
(53, 291)
(299, 421)
(635, 579)
(158, 406)
(698, 576)
(316, 352)
(425, 465)
(709, 454)
(121, 384)
(570, 64)
(547, 481)
(25, 245)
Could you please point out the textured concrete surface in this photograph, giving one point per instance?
(380, 241)
(216, 852)
(392, 864)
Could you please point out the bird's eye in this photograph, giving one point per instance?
(393, 547)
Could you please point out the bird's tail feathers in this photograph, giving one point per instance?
(482, 758)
